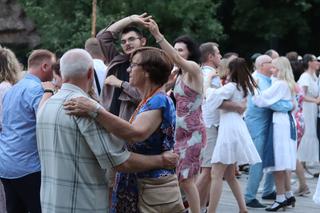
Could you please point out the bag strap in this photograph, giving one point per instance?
(97, 82)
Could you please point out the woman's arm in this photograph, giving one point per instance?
(309, 98)
(190, 67)
(118, 26)
(271, 95)
(143, 126)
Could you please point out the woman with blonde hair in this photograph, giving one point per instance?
(282, 135)
(223, 70)
(9, 74)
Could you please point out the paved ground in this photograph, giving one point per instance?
(303, 205)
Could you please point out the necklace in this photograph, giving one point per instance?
(142, 102)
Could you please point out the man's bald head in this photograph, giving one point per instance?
(92, 46)
(262, 59)
(263, 64)
(75, 63)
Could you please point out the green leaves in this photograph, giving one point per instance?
(67, 24)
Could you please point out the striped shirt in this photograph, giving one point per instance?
(75, 154)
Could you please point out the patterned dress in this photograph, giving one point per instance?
(298, 113)
(190, 135)
(125, 193)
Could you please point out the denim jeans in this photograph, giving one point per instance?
(256, 174)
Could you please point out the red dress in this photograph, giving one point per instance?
(190, 135)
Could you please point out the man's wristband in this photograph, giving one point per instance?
(49, 90)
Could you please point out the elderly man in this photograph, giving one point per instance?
(76, 152)
(19, 159)
(258, 121)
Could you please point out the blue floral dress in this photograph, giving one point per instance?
(125, 192)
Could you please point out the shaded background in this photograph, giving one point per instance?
(243, 26)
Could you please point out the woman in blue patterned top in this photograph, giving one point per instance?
(150, 131)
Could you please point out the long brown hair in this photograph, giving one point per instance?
(9, 66)
(240, 74)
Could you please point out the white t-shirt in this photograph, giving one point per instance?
(101, 70)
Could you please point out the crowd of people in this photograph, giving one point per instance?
(149, 129)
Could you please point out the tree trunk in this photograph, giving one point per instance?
(94, 18)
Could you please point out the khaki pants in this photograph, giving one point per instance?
(160, 195)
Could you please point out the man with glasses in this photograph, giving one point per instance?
(118, 96)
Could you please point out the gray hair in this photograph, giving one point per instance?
(261, 60)
(75, 63)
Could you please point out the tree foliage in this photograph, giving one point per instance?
(67, 24)
(239, 25)
(275, 22)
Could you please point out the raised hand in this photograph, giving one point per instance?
(141, 19)
(153, 28)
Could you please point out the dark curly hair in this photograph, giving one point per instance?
(193, 47)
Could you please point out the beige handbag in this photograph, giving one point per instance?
(160, 195)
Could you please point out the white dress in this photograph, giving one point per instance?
(284, 147)
(316, 196)
(309, 147)
(234, 143)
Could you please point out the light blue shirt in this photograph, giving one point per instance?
(18, 146)
(258, 119)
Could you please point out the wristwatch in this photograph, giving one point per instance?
(94, 114)
(52, 91)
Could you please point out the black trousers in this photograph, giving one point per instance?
(23, 194)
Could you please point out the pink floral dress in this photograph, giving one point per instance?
(190, 135)
(298, 113)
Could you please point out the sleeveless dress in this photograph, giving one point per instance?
(125, 192)
(298, 113)
(234, 143)
(190, 135)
